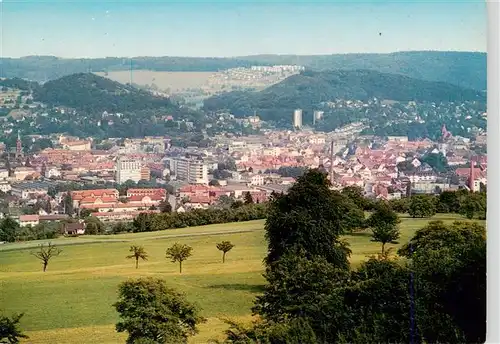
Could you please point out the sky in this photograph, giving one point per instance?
(90, 29)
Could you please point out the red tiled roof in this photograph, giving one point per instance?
(147, 191)
(26, 218)
(201, 200)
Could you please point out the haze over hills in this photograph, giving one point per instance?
(309, 89)
(465, 69)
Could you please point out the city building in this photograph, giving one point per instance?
(128, 169)
(145, 173)
(29, 190)
(193, 171)
(5, 186)
(317, 115)
(4, 174)
(297, 118)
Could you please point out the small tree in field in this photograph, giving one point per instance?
(225, 247)
(137, 252)
(45, 254)
(9, 329)
(179, 253)
(385, 234)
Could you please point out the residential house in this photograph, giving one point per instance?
(31, 220)
(76, 228)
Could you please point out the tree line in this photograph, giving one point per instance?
(198, 217)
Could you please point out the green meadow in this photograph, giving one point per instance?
(72, 301)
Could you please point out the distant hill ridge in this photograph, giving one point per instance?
(464, 69)
(309, 88)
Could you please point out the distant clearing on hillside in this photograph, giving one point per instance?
(175, 81)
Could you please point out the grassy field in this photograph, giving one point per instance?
(72, 301)
(174, 80)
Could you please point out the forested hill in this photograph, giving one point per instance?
(91, 93)
(308, 89)
(464, 69)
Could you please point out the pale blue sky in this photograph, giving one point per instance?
(234, 28)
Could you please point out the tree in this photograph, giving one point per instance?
(142, 223)
(449, 265)
(448, 202)
(84, 213)
(421, 206)
(385, 233)
(297, 287)
(473, 203)
(151, 312)
(437, 161)
(355, 194)
(9, 329)
(179, 253)
(293, 331)
(375, 305)
(137, 252)
(8, 229)
(45, 254)
(68, 204)
(237, 204)
(311, 217)
(384, 224)
(94, 226)
(120, 227)
(248, 198)
(383, 215)
(225, 201)
(225, 247)
(165, 206)
(214, 182)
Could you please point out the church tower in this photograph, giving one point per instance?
(19, 146)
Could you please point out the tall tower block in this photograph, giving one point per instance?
(317, 115)
(297, 118)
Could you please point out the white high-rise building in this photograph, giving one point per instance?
(317, 115)
(128, 169)
(297, 118)
(191, 170)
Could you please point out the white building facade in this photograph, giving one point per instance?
(128, 169)
(297, 118)
(191, 170)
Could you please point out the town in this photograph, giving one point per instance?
(154, 171)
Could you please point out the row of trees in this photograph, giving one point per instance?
(468, 204)
(199, 217)
(176, 253)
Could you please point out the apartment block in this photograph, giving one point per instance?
(128, 169)
(191, 170)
